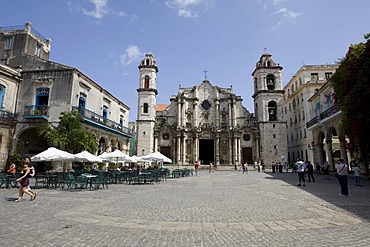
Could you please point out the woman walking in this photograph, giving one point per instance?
(25, 182)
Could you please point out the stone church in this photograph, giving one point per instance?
(207, 123)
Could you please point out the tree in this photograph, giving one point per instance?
(351, 84)
(69, 135)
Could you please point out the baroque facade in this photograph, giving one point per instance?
(208, 123)
(47, 89)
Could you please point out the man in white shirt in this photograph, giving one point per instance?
(301, 167)
(342, 170)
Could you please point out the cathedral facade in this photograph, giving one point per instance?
(209, 124)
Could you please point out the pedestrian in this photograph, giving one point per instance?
(11, 171)
(310, 172)
(246, 167)
(342, 173)
(318, 168)
(196, 167)
(25, 182)
(357, 173)
(280, 167)
(301, 167)
(210, 167)
(263, 167)
(286, 166)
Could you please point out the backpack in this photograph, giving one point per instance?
(32, 173)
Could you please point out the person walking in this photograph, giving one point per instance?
(342, 173)
(25, 182)
(196, 167)
(301, 167)
(310, 172)
(357, 173)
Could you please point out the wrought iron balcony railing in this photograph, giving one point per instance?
(35, 111)
(6, 116)
(96, 118)
(329, 112)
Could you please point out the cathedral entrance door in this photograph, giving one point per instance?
(247, 155)
(206, 151)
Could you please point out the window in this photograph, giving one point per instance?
(270, 80)
(328, 75)
(206, 105)
(146, 82)
(2, 94)
(314, 76)
(300, 81)
(121, 120)
(42, 96)
(303, 115)
(272, 110)
(305, 133)
(145, 108)
(274, 136)
(105, 112)
(82, 101)
(8, 42)
(38, 50)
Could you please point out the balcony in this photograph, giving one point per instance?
(329, 112)
(99, 121)
(7, 117)
(313, 121)
(36, 112)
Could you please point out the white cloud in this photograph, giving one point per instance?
(288, 13)
(185, 8)
(101, 9)
(132, 54)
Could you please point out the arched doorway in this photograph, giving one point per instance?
(29, 143)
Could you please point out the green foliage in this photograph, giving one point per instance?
(70, 134)
(17, 159)
(351, 83)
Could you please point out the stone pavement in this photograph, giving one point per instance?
(225, 208)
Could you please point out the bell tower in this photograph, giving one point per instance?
(147, 101)
(268, 98)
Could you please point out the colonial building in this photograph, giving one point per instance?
(324, 121)
(48, 88)
(208, 123)
(297, 111)
(9, 83)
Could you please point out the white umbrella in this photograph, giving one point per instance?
(157, 156)
(53, 154)
(86, 156)
(137, 158)
(118, 156)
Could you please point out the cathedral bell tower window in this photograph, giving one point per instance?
(270, 80)
(146, 82)
(272, 110)
(145, 108)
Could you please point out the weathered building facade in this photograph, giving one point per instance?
(297, 111)
(48, 88)
(208, 123)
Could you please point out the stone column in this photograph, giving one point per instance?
(178, 149)
(178, 113)
(230, 114)
(231, 153)
(236, 160)
(258, 155)
(183, 149)
(156, 143)
(329, 153)
(217, 149)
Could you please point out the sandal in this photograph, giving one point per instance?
(34, 197)
(18, 200)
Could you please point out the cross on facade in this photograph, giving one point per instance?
(265, 49)
(205, 73)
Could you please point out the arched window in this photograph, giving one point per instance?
(82, 101)
(2, 94)
(145, 108)
(270, 79)
(272, 110)
(105, 112)
(147, 62)
(146, 82)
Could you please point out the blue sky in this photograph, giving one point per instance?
(106, 39)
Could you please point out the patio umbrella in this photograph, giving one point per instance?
(157, 156)
(118, 156)
(86, 156)
(53, 154)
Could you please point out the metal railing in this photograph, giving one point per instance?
(92, 116)
(36, 110)
(329, 112)
(6, 116)
(313, 121)
(22, 28)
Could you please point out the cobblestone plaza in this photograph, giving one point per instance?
(225, 208)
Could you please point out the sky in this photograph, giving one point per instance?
(107, 39)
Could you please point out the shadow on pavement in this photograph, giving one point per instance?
(327, 188)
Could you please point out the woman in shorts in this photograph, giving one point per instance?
(25, 182)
